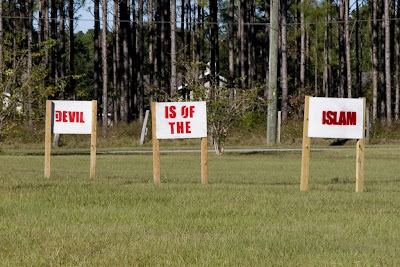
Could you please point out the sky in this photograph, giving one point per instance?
(86, 18)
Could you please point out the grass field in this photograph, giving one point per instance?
(250, 214)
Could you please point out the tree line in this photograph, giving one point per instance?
(147, 50)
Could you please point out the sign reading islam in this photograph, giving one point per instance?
(336, 118)
(181, 120)
(71, 117)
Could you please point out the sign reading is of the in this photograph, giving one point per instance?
(181, 120)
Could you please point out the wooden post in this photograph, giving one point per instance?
(305, 156)
(93, 140)
(47, 141)
(360, 158)
(204, 178)
(156, 146)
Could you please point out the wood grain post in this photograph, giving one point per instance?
(360, 157)
(204, 177)
(47, 142)
(93, 140)
(156, 146)
(305, 156)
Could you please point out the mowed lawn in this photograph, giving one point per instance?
(250, 214)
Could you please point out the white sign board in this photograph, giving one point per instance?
(71, 117)
(336, 118)
(181, 120)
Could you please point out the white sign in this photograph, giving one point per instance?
(71, 117)
(336, 118)
(181, 120)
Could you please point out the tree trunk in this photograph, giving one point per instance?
(341, 46)
(347, 45)
(71, 54)
(250, 42)
(284, 83)
(397, 63)
(133, 63)
(199, 39)
(182, 36)
(29, 12)
(188, 29)
(61, 38)
(387, 64)
(357, 48)
(116, 62)
(327, 80)
(239, 44)
(46, 30)
(151, 46)
(374, 60)
(141, 61)
(214, 42)
(381, 66)
(96, 58)
(302, 47)
(124, 18)
(231, 46)
(105, 66)
(273, 73)
(173, 48)
(40, 21)
(158, 49)
(267, 33)
(1, 43)
(243, 43)
(53, 28)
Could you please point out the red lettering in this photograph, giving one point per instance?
(184, 112)
(334, 114)
(172, 111)
(172, 126)
(81, 119)
(329, 115)
(345, 118)
(179, 127)
(58, 116)
(71, 116)
(64, 115)
(191, 111)
(351, 118)
(188, 127)
(324, 120)
(342, 118)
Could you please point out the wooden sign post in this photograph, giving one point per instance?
(360, 158)
(71, 117)
(333, 118)
(179, 120)
(156, 146)
(47, 144)
(305, 155)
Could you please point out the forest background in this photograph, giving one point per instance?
(166, 49)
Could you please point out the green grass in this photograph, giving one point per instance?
(250, 214)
